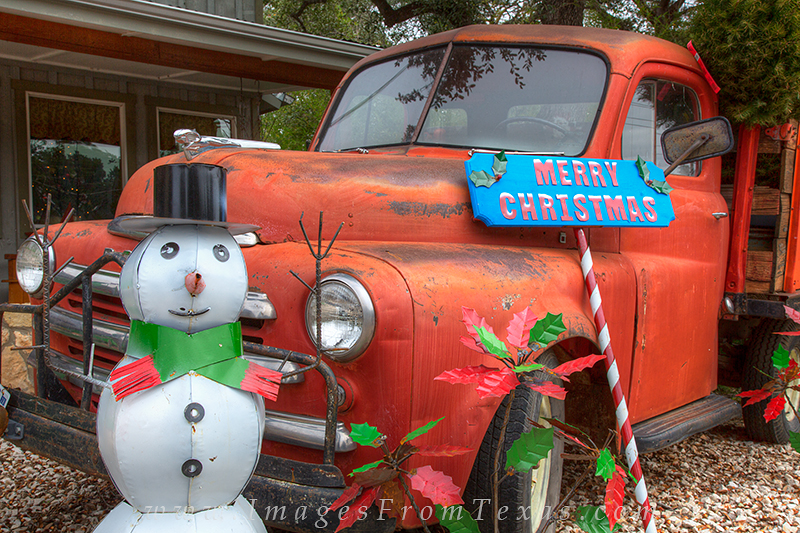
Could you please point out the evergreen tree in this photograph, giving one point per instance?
(752, 49)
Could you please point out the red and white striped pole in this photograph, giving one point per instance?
(612, 372)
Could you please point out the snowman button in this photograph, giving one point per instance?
(192, 468)
(194, 412)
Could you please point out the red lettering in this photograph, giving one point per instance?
(633, 207)
(580, 201)
(612, 171)
(505, 199)
(580, 173)
(546, 204)
(563, 173)
(564, 211)
(596, 200)
(597, 173)
(543, 171)
(650, 213)
(615, 208)
(527, 207)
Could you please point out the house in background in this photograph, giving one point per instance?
(90, 90)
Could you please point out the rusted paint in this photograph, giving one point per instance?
(427, 210)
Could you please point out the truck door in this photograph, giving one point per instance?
(680, 269)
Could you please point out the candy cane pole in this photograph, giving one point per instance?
(624, 423)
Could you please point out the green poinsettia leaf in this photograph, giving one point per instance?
(794, 440)
(421, 431)
(644, 172)
(527, 368)
(780, 358)
(492, 343)
(605, 465)
(456, 519)
(529, 449)
(547, 329)
(661, 186)
(481, 178)
(500, 163)
(593, 519)
(366, 467)
(365, 435)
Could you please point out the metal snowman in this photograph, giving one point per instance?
(180, 433)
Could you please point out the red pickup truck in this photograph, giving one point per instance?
(388, 162)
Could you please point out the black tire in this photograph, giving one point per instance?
(516, 491)
(759, 362)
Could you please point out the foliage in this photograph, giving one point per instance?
(667, 19)
(294, 125)
(752, 49)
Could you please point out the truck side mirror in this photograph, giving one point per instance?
(696, 141)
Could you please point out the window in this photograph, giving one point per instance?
(657, 107)
(207, 124)
(76, 156)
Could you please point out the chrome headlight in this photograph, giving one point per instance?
(348, 317)
(30, 266)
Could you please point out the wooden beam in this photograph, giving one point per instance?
(25, 30)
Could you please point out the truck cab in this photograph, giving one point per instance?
(384, 180)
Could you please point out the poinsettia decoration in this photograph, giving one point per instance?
(387, 480)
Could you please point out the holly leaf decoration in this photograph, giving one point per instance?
(519, 328)
(468, 374)
(755, 396)
(615, 493)
(576, 365)
(421, 431)
(349, 493)
(456, 519)
(549, 388)
(481, 178)
(373, 477)
(774, 408)
(593, 519)
(365, 435)
(661, 186)
(366, 467)
(529, 449)
(794, 440)
(644, 172)
(527, 368)
(436, 486)
(793, 315)
(392, 491)
(490, 341)
(362, 502)
(498, 383)
(471, 319)
(442, 450)
(780, 358)
(605, 465)
(499, 164)
(547, 329)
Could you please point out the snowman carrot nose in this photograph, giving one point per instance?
(195, 283)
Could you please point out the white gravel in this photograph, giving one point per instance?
(719, 481)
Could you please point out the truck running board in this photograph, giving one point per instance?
(672, 427)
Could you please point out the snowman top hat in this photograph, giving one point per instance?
(188, 194)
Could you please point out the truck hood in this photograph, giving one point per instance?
(377, 196)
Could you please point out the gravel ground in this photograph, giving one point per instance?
(718, 481)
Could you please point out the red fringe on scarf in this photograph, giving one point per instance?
(134, 377)
(262, 381)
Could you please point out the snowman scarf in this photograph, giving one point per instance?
(165, 354)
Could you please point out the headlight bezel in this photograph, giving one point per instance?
(368, 319)
(39, 254)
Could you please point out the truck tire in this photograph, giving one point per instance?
(536, 492)
(759, 362)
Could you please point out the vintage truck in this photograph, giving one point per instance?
(387, 162)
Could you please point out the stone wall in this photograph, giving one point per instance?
(16, 332)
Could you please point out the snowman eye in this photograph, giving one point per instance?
(169, 250)
(221, 253)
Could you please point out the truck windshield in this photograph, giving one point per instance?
(494, 97)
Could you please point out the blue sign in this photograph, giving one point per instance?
(540, 190)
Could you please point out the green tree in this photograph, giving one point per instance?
(294, 125)
(752, 48)
(667, 19)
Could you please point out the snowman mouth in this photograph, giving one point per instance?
(189, 313)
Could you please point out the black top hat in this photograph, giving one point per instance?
(188, 194)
